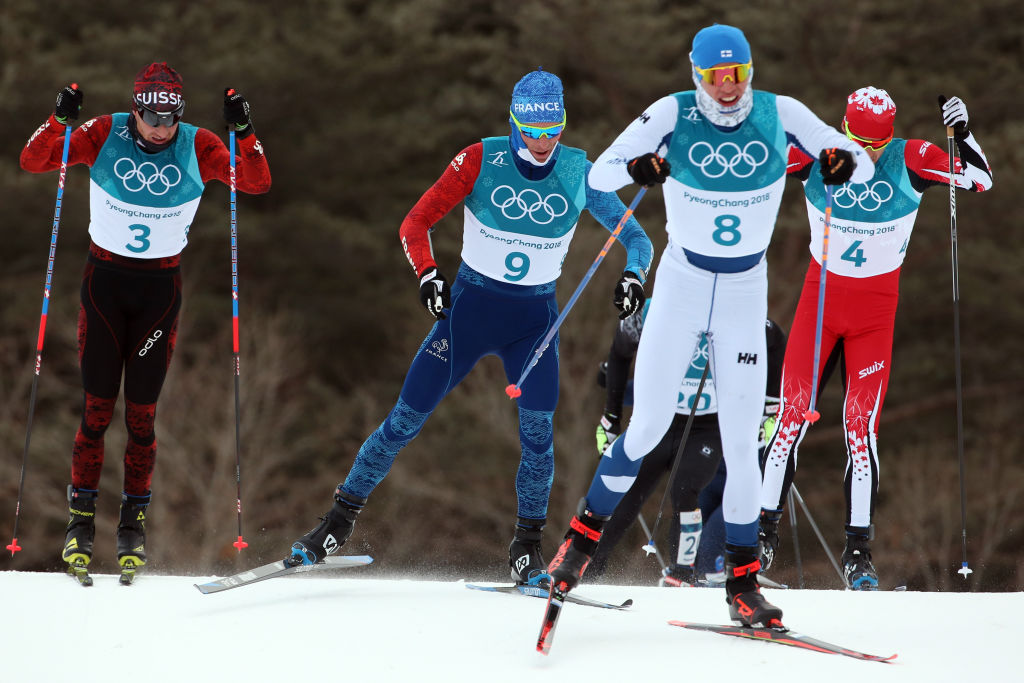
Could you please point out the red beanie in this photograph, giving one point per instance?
(870, 113)
(158, 88)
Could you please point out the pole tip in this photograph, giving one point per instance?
(240, 544)
(513, 391)
(965, 570)
(649, 548)
(812, 416)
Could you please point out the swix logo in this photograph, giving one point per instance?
(258, 147)
(498, 160)
(871, 369)
(748, 358)
(151, 99)
(149, 342)
(645, 117)
(458, 161)
(436, 348)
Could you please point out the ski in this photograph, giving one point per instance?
(783, 636)
(128, 567)
(556, 598)
(279, 568)
(543, 592)
(79, 570)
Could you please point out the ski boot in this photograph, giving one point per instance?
(678, 576)
(524, 556)
(334, 529)
(768, 536)
(858, 571)
(747, 607)
(81, 532)
(579, 546)
(131, 536)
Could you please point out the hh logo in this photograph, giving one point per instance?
(645, 117)
(748, 358)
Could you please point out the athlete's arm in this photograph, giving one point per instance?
(650, 132)
(45, 149)
(452, 187)
(252, 173)
(608, 209)
(928, 165)
(813, 135)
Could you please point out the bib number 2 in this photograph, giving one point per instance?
(140, 243)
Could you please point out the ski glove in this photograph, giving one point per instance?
(236, 112)
(648, 169)
(629, 295)
(435, 293)
(69, 103)
(608, 429)
(836, 166)
(954, 115)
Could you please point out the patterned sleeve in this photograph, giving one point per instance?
(608, 209)
(251, 168)
(452, 187)
(928, 165)
(44, 150)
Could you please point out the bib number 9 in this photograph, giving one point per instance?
(518, 265)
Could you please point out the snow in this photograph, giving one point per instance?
(336, 625)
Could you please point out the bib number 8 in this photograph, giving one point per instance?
(727, 230)
(518, 265)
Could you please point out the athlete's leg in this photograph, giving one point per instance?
(697, 466)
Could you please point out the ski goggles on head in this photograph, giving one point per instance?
(538, 132)
(866, 143)
(156, 118)
(717, 75)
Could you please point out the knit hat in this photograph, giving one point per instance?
(870, 113)
(158, 88)
(719, 44)
(537, 98)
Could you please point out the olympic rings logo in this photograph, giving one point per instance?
(870, 199)
(146, 176)
(701, 356)
(728, 157)
(529, 203)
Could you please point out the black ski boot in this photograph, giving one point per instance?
(524, 556)
(747, 607)
(860, 574)
(579, 546)
(131, 536)
(768, 536)
(678, 576)
(334, 529)
(81, 532)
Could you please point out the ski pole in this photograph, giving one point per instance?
(240, 543)
(515, 390)
(950, 146)
(651, 547)
(817, 532)
(13, 546)
(812, 415)
(796, 541)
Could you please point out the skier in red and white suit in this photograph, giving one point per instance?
(868, 238)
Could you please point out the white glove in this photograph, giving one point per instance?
(954, 114)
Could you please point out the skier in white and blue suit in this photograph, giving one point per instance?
(724, 168)
(523, 195)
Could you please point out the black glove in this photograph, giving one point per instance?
(629, 295)
(435, 293)
(954, 115)
(236, 112)
(836, 166)
(69, 103)
(648, 169)
(608, 429)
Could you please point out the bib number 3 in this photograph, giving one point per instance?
(140, 243)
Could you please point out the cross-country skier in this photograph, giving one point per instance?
(868, 237)
(723, 174)
(692, 552)
(523, 193)
(147, 173)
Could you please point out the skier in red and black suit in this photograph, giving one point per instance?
(147, 173)
(868, 238)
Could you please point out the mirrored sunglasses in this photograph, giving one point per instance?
(155, 118)
(718, 75)
(866, 143)
(538, 132)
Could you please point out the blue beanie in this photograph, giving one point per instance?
(537, 98)
(718, 44)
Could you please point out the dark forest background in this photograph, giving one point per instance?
(360, 105)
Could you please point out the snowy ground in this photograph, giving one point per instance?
(337, 626)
